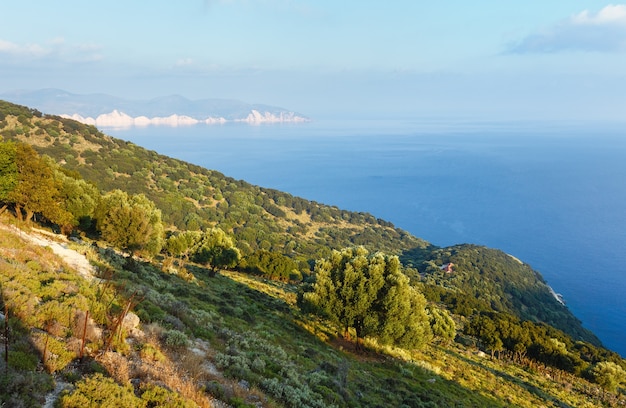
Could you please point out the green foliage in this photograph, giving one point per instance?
(79, 197)
(609, 375)
(183, 244)
(524, 339)
(158, 397)
(216, 250)
(37, 191)
(271, 265)
(212, 248)
(257, 360)
(99, 391)
(441, 323)
(20, 360)
(250, 325)
(8, 169)
(176, 339)
(485, 279)
(194, 198)
(371, 295)
(130, 222)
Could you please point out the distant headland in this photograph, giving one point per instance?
(109, 111)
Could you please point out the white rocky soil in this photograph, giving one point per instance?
(60, 246)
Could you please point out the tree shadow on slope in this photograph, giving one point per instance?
(22, 383)
(266, 342)
(531, 388)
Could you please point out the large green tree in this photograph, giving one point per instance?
(8, 172)
(609, 375)
(130, 222)
(216, 250)
(80, 198)
(37, 190)
(441, 323)
(370, 294)
(181, 245)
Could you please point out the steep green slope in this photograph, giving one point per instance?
(262, 220)
(192, 197)
(488, 279)
(242, 339)
(232, 338)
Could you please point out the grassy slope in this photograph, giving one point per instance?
(192, 197)
(253, 332)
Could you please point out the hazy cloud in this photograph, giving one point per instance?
(55, 50)
(29, 50)
(296, 6)
(603, 31)
(184, 62)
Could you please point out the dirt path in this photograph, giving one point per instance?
(60, 246)
(54, 394)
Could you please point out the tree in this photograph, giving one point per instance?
(8, 172)
(130, 222)
(371, 295)
(272, 265)
(180, 245)
(609, 375)
(37, 190)
(441, 323)
(80, 198)
(216, 250)
(484, 328)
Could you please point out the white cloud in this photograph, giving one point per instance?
(611, 14)
(603, 31)
(54, 50)
(32, 50)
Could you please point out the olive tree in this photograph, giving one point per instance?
(441, 323)
(80, 198)
(608, 375)
(130, 222)
(370, 294)
(8, 172)
(216, 250)
(37, 189)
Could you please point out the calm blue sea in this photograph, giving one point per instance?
(553, 195)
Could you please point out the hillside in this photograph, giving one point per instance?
(242, 336)
(173, 110)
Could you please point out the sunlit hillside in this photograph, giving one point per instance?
(132, 279)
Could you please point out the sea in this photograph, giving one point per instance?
(553, 194)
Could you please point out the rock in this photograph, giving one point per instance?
(93, 333)
(244, 385)
(131, 323)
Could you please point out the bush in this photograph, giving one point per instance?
(22, 361)
(151, 353)
(100, 391)
(156, 396)
(175, 339)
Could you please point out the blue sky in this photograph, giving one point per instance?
(481, 59)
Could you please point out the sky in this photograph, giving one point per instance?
(488, 60)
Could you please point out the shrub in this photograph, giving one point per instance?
(100, 391)
(155, 396)
(175, 339)
(151, 353)
(22, 361)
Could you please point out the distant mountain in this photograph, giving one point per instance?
(110, 111)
